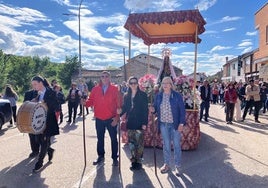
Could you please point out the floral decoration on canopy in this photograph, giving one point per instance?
(146, 84)
(184, 85)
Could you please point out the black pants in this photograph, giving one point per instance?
(257, 106)
(101, 126)
(204, 106)
(44, 141)
(34, 142)
(215, 99)
(72, 109)
(14, 114)
(229, 111)
(81, 108)
(61, 116)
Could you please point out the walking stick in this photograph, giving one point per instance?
(119, 105)
(84, 136)
(119, 144)
(154, 141)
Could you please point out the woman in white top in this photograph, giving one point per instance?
(12, 96)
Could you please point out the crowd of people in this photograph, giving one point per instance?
(109, 102)
(239, 99)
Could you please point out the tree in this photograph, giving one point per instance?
(68, 69)
(20, 73)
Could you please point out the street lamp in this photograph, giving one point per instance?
(79, 74)
(79, 36)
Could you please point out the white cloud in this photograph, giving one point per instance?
(47, 34)
(245, 43)
(228, 19)
(63, 2)
(251, 33)
(219, 48)
(160, 5)
(205, 4)
(246, 50)
(209, 32)
(134, 5)
(229, 29)
(24, 15)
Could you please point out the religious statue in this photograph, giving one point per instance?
(166, 69)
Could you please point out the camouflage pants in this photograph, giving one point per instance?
(136, 145)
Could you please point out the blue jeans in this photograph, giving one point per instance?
(101, 126)
(169, 134)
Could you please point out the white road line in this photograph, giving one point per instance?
(80, 183)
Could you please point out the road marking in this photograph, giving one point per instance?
(80, 182)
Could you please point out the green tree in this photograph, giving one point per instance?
(20, 73)
(67, 70)
(4, 59)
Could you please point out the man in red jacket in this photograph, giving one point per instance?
(105, 100)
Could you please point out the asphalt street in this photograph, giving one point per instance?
(227, 156)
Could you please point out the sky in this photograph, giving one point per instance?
(49, 28)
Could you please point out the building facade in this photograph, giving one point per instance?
(137, 66)
(261, 54)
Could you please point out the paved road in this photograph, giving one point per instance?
(228, 156)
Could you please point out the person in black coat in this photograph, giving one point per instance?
(73, 99)
(47, 95)
(35, 145)
(205, 92)
(136, 108)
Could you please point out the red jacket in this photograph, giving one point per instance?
(105, 105)
(230, 95)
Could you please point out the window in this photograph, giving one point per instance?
(233, 65)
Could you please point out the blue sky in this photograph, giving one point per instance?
(39, 28)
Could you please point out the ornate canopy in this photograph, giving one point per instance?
(166, 27)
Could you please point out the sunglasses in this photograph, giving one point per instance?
(105, 76)
(133, 83)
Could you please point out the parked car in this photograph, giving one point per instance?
(5, 112)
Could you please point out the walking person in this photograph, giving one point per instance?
(221, 93)
(263, 94)
(47, 95)
(60, 100)
(205, 94)
(73, 99)
(135, 107)
(215, 93)
(12, 96)
(104, 98)
(35, 145)
(252, 99)
(170, 110)
(83, 88)
(238, 103)
(230, 97)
